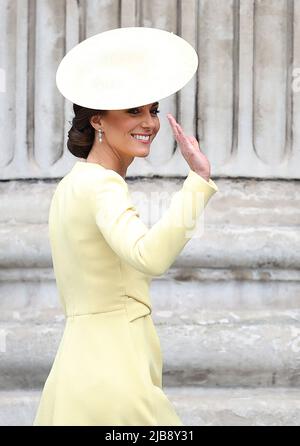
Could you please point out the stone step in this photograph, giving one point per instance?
(182, 288)
(206, 349)
(244, 201)
(239, 406)
(213, 246)
(196, 406)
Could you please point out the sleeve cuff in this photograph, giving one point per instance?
(194, 181)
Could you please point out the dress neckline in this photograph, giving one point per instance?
(89, 163)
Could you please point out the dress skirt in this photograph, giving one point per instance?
(108, 372)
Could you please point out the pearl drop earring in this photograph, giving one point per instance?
(100, 135)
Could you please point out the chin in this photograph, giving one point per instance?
(142, 154)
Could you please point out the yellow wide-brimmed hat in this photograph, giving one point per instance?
(125, 68)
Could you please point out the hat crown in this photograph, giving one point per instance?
(126, 67)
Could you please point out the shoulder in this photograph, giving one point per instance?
(105, 191)
(106, 178)
(92, 172)
(95, 181)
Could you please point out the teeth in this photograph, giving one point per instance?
(144, 138)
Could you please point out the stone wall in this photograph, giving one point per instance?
(228, 310)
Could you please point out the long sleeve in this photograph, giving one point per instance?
(151, 251)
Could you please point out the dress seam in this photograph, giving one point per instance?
(95, 312)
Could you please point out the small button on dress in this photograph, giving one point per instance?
(108, 366)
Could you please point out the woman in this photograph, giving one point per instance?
(108, 367)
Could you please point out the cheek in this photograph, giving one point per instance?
(126, 130)
(127, 125)
(121, 127)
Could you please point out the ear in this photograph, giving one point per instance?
(95, 121)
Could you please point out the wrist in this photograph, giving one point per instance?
(204, 176)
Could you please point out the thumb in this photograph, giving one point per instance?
(194, 141)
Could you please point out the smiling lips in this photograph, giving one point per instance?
(144, 138)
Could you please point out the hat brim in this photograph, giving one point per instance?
(126, 67)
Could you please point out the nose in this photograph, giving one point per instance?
(149, 121)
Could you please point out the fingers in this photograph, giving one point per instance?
(173, 124)
(178, 132)
(193, 140)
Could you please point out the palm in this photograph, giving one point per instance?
(190, 149)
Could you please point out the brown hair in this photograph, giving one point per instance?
(82, 134)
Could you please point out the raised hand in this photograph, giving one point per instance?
(190, 150)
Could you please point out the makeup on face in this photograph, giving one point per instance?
(144, 137)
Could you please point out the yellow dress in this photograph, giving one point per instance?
(108, 367)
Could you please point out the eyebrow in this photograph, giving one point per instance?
(154, 103)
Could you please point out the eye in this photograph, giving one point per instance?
(133, 110)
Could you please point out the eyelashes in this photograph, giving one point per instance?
(133, 109)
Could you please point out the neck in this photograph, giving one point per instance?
(109, 158)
